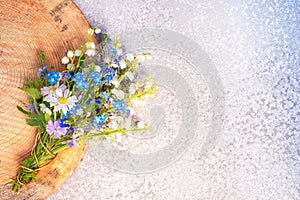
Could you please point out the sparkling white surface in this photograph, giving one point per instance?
(255, 47)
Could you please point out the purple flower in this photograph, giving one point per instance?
(72, 142)
(31, 108)
(55, 129)
(66, 76)
(42, 71)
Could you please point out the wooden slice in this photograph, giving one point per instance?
(53, 26)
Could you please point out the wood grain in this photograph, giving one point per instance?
(53, 26)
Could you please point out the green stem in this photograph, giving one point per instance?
(59, 148)
(110, 133)
(130, 68)
(35, 106)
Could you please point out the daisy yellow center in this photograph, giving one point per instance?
(62, 100)
(52, 89)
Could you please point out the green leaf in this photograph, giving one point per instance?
(47, 117)
(38, 149)
(26, 177)
(42, 58)
(36, 120)
(33, 122)
(104, 38)
(23, 111)
(16, 186)
(28, 162)
(33, 92)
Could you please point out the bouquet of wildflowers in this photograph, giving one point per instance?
(91, 98)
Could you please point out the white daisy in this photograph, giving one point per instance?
(61, 101)
(51, 89)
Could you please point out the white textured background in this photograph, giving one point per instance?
(255, 47)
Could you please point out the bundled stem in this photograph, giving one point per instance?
(43, 153)
(40, 157)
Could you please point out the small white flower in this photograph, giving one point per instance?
(79, 111)
(114, 125)
(90, 31)
(122, 64)
(79, 131)
(97, 30)
(132, 89)
(115, 82)
(148, 57)
(118, 93)
(65, 60)
(148, 85)
(137, 102)
(90, 52)
(90, 49)
(132, 111)
(78, 53)
(127, 124)
(141, 124)
(70, 66)
(90, 45)
(114, 65)
(88, 114)
(70, 54)
(106, 59)
(61, 101)
(44, 109)
(141, 58)
(119, 52)
(130, 76)
(129, 57)
(85, 70)
(120, 119)
(97, 68)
